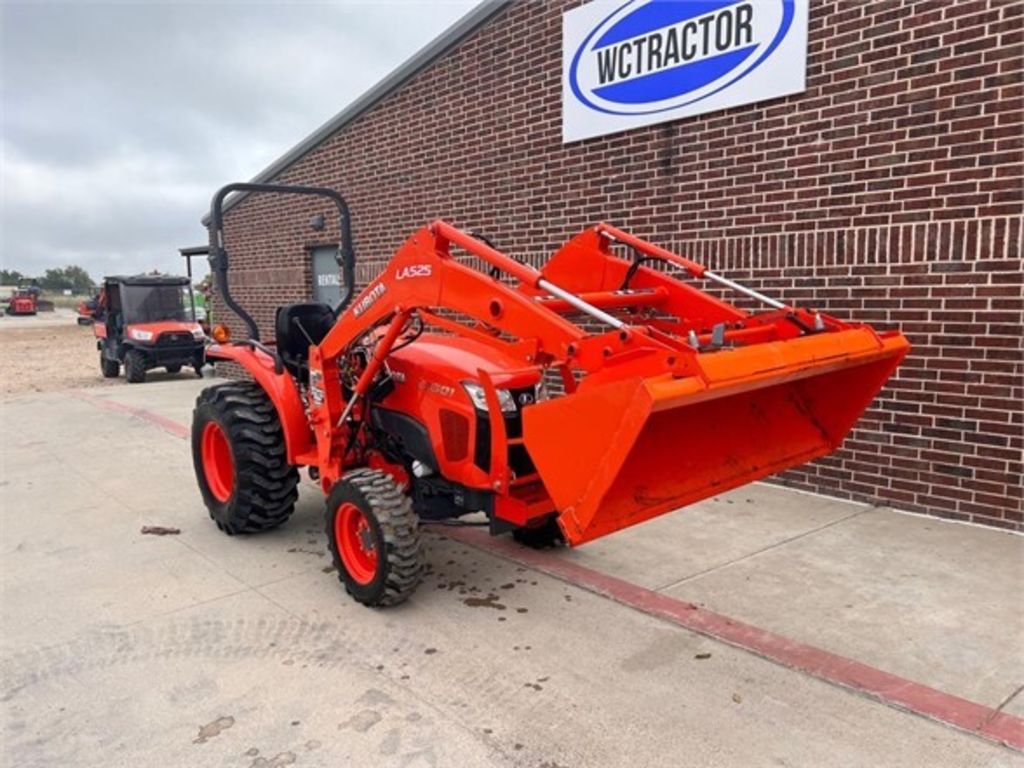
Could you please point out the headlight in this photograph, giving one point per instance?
(197, 334)
(140, 335)
(476, 394)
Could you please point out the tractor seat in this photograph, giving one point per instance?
(292, 344)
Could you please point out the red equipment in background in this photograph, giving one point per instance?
(87, 309)
(23, 301)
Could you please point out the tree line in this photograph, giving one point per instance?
(72, 278)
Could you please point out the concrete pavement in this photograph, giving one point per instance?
(58, 317)
(200, 649)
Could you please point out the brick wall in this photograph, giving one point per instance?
(890, 191)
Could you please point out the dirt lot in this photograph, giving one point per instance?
(45, 358)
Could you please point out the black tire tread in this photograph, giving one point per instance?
(134, 367)
(110, 369)
(399, 525)
(266, 485)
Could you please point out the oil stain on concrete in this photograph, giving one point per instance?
(208, 731)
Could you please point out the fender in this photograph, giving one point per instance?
(281, 389)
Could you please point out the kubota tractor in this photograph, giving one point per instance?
(23, 301)
(144, 322)
(564, 403)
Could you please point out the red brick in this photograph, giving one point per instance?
(890, 190)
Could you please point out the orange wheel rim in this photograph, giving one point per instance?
(218, 463)
(356, 543)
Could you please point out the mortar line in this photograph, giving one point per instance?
(761, 551)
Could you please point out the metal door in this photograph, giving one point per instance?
(326, 278)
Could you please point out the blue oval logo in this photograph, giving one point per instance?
(659, 55)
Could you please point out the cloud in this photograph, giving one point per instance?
(120, 120)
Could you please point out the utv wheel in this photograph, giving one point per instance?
(238, 451)
(542, 536)
(135, 367)
(172, 369)
(110, 368)
(374, 538)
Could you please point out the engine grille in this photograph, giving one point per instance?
(518, 458)
(454, 435)
(175, 339)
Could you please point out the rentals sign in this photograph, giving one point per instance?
(643, 62)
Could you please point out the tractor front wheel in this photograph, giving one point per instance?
(172, 369)
(374, 538)
(238, 451)
(134, 367)
(109, 368)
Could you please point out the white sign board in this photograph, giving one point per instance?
(641, 62)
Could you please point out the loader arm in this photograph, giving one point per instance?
(424, 277)
(668, 393)
(423, 274)
(669, 371)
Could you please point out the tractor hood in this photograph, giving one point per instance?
(461, 359)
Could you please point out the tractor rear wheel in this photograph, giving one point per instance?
(109, 368)
(134, 367)
(238, 451)
(373, 535)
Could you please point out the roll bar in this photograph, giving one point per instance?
(346, 257)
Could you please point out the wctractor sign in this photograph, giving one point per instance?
(627, 64)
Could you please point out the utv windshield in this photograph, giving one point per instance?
(153, 303)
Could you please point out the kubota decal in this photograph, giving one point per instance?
(368, 299)
(647, 61)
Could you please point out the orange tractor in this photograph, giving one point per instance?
(564, 403)
(23, 301)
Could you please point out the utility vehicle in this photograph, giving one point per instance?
(143, 322)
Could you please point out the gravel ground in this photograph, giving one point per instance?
(42, 358)
(59, 317)
(48, 358)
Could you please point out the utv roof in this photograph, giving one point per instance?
(146, 279)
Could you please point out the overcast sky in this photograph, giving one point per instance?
(120, 120)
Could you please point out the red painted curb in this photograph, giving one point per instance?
(882, 686)
(166, 424)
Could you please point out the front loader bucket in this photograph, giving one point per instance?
(619, 453)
